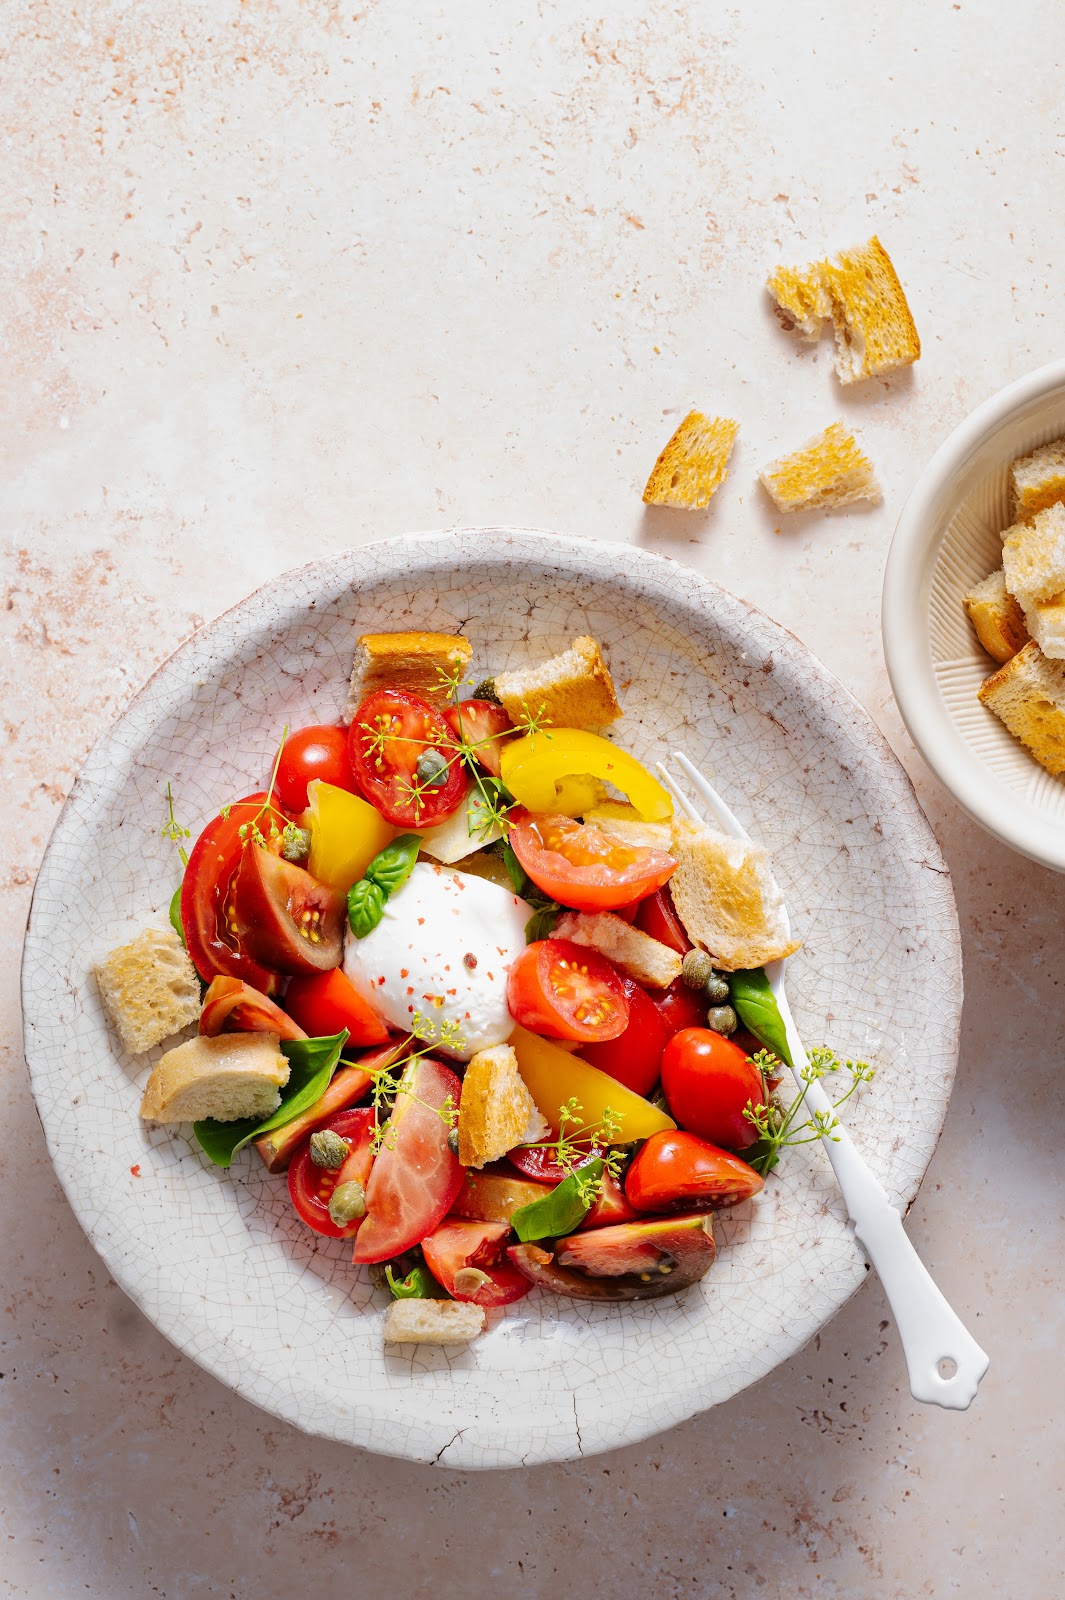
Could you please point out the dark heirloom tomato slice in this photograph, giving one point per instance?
(676, 1171)
(415, 1178)
(230, 1005)
(634, 1058)
(284, 917)
(316, 752)
(455, 1245)
(581, 866)
(325, 1002)
(657, 916)
(310, 1187)
(206, 899)
(389, 731)
(566, 991)
(481, 723)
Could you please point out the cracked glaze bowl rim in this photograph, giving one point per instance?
(198, 1250)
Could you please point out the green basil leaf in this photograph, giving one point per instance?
(366, 907)
(312, 1063)
(541, 925)
(560, 1211)
(419, 1284)
(515, 871)
(753, 1002)
(175, 914)
(392, 866)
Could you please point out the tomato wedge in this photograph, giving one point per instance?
(610, 1207)
(634, 1058)
(455, 1245)
(415, 1178)
(310, 1187)
(325, 1002)
(389, 732)
(283, 916)
(484, 725)
(231, 1004)
(566, 991)
(579, 865)
(206, 900)
(657, 916)
(676, 1171)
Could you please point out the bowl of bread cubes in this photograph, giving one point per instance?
(974, 615)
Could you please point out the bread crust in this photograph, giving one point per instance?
(496, 1110)
(571, 690)
(419, 662)
(996, 617)
(726, 897)
(860, 289)
(826, 472)
(150, 988)
(227, 1078)
(693, 463)
(1027, 694)
(632, 951)
(432, 1322)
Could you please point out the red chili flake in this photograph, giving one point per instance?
(136, 1170)
(380, 981)
(410, 988)
(469, 960)
(404, 972)
(452, 991)
(421, 922)
(491, 977)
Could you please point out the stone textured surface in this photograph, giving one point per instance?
(282, 279)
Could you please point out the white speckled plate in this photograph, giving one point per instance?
(219, 1262)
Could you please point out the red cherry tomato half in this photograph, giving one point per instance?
(484, 725)
(676, 1171)
(285, 918)
(415, 1179)
(320, 751)
(389, 732)
(566, 991)
(311, 1187)
(324, 1002)
(455, 1245)
(579, 865)
(657, 916)
(708, 1081)
(207, 898)
(634, 1057)
(230, 1005)
(680, 1007)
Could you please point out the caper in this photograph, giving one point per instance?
(716, 990)
(722, 1019)
(328, 1149)
(453, 1141)
(697, 969)
(347, 1201)
(431, 768)
(296, 843)
(469, 1279)
(486, 690)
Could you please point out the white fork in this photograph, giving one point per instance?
(933, 1337)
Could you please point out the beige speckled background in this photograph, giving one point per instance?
(281, 278)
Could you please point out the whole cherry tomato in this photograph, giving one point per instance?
(316, 752)
(708, 1082)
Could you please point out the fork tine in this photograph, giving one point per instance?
(681, 799)
(717, 807)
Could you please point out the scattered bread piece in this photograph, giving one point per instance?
(860, 289)
(420, 662)
(623, 822)
(997, 617)
(830, 470)
(1038, 480)
(572, 690)
(693, 464)
(631, 950)
(496, 1110)
(1028, 695)
(432, 1322)
(727, 898)
(228, 1077)
(150, 988)
(1033, 564)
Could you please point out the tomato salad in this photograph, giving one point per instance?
(480, 1102)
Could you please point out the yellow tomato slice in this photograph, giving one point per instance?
(553, 1077)
(554, 770)
(346, 834)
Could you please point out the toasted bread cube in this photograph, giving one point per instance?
(227, 1078)
(421, 662)
(150, 988)
(496, 1111)
(997, 617)
(693, 464)
(1038, 480)
(624, 822)
(633, 952)
(572, 690)
(432, 1322)
(727, 898)
(1033, 565)
(827, 471)
(1028, 695)
(860, 289)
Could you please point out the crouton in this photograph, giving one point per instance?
(496, 1110)
(827, 471)
(420, 662)
(227, 1078)
(150, 988)
(432, 1322)
(1033, 564)
(633, 952)
(727, 898)
(693, 464)
(1028, 695)
(1038, 480)
(997, 617)
(572, 690)
(860, 290)
(624, 823)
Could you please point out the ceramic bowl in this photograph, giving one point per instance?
(949, 538)
(218, 1260)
